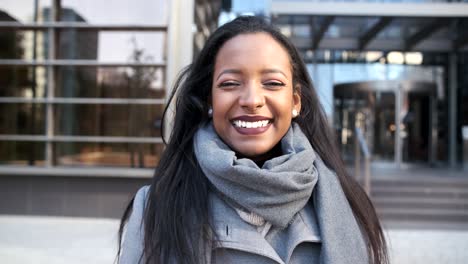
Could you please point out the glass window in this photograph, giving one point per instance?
(145, 47)
(22, 153)
(12, 44)
(104, 46)
(122, 12)
(108, 154)
(22, 118)
(22, 10)
(22, 81)
(110, 82)
(96, 98)
(108, 120)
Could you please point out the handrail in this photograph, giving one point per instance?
(361, 146)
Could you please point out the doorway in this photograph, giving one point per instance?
(395, 117)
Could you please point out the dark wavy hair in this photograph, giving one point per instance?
(176, 218)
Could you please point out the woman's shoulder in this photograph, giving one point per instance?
(132, 244)
(138, 207)
(140, 197)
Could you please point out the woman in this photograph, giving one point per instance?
(251, 173)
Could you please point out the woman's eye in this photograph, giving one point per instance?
(228, 84)
(274, 84)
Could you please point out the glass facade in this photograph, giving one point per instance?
(82, 84)
(387, 44)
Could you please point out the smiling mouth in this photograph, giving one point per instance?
(248, 124)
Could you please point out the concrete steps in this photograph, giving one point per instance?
(421, 201)
(425, 203)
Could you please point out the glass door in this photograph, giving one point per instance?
(397, 119)
(416, 127)
(382, 146)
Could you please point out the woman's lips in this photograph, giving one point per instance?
(251, 125)
(252, 131)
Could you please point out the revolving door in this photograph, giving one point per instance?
(397, 119)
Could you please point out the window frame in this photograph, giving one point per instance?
(50, 101)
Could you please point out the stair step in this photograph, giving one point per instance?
(418, 202)
(426, 181)
(419, 191)
(423, 214)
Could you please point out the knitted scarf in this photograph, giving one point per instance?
(282, 187)
(283, 184)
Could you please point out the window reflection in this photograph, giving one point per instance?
(23, 10)
(108, 154)
(122, 46)
(122, 11)
(22, 153)
(22, 81)
(114, 35)
(374, 114)
(110, 82)
(22, 119)
(108, 120)
(11, 43)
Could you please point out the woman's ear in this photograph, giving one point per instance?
(297, 98)
(210, 106)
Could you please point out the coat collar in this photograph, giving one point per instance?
(234, 233)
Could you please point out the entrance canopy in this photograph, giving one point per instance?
(424, 27)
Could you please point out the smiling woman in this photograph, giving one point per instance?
(251, 173)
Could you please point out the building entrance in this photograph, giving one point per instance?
(397, 120)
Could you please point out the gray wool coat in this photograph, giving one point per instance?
(238, 241)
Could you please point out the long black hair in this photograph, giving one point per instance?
(176, 219)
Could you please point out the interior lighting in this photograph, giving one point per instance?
(372, 56)
(326, 55)
(395, 57)
(414, 58)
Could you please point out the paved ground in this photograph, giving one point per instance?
(428, 246)
(55, 240)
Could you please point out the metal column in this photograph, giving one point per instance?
(433, 128)
(398, 144)
(452, 104)
(54, 16)
(179, 48)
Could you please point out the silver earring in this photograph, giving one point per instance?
(295, 113)
(210, 112)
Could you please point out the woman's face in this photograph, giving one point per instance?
(252, 94)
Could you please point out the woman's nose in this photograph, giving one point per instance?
(252, 96)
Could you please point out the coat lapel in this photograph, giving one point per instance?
(233, 233)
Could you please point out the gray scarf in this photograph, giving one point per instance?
(282, 187)
(283, 184)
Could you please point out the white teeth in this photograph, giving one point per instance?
(246, 124)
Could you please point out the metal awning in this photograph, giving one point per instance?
(424, 27)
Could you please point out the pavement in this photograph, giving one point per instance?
(54, 240)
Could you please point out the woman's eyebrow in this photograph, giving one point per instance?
(274, 71)
(265, 71)
(229, 71)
